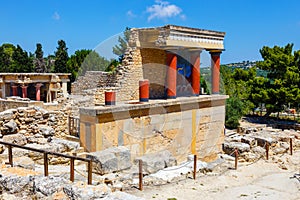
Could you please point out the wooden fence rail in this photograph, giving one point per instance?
(46, 153)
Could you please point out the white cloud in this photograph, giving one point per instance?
(163, 10)
(56, 16)
(130, 14)
(183, 17)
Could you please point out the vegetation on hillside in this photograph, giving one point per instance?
(277, 88)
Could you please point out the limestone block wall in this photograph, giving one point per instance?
(91, 80)
(155, 70)
(9, 104)
(125, 81)
(28, 120)
(192, 128)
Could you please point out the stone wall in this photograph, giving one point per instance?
(9, 104)
(125, 81)
(30, 121)
(181, 127)
(155, 70)
(91, 80)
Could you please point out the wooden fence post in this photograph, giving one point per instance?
(72, 169)
(45, 163)
(195, 167)
(236, 153)
(90, 168)
(10, 156)
(291, 146)
(140, 175)
(267, 150)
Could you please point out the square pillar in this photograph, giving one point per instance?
(172, 75)
(195, 62)
(215, 72)
(3, 90)
(64, 87)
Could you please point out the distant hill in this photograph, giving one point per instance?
(244, 64)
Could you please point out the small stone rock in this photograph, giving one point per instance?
(12, 126)
(46, 131)
(282, 166)
(279, 150)
(259, 150)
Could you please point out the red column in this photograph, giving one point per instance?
(38, 91)
(110, 98)
(24, 91)
(144, 90)
(215, 72)
(14, 90)
(195, 61)
(172, 75)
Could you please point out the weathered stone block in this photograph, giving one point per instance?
(83, 191)
(15, 139)
(11, 126)
(248, 140)
(229, 147)
(111, 160)
(155, 162)
(49, 184)
(15, 184)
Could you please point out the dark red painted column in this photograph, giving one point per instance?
(38, 91)
(172, 75)
(14, 90)
(24, 91)
(144, 90)
(195, 61)
(215, 72)
(110, 98)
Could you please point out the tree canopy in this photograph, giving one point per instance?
(14, 59)
(120, 48)
(61, 57)
(39, 61)
(276, 88)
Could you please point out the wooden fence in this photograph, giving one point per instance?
(46, 153)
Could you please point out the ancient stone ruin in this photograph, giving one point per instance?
(163, 126)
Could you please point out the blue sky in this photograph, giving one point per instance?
(249, 25)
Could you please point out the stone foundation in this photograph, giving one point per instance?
(187, 125)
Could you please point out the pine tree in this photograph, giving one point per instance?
(61, 58)
(39, 61)
(120, 48)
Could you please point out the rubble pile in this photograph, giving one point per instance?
(252, 140)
